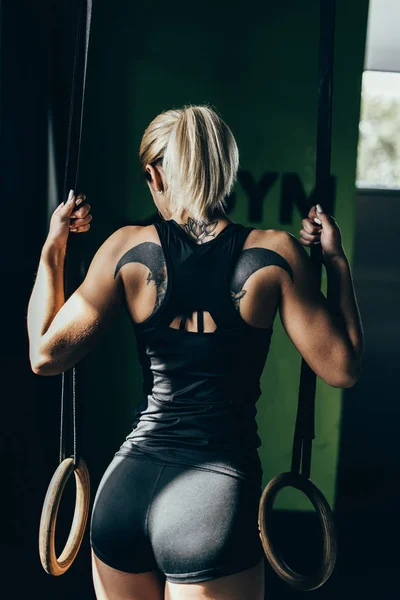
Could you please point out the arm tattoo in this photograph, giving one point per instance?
(152, 256)
(249, 262)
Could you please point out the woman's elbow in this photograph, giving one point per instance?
(44, 366)
(347, 378)
(345, 382)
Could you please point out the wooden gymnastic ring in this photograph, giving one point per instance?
(324, 571)
(48, 558)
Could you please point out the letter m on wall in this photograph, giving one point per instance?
(293, 195)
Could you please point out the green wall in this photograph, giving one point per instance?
(257, 63)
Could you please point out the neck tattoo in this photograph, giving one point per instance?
(200, 230)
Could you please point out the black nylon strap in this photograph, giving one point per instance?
(71, 174)
(305, 421)
(182, 323)
(200, 321)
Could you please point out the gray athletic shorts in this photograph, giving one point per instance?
(191, 523)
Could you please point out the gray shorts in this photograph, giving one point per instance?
(192, 524)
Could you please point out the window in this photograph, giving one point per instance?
(378, 161)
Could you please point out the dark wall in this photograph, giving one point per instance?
(368, 493)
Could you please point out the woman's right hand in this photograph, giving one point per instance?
(73, 215)
(321, 228)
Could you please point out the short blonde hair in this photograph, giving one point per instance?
(199, 156)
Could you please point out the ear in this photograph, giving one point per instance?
(149, 173)
(153, 176)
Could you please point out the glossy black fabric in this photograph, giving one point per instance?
(200, 389)
(193, 524)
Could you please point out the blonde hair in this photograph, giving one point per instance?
(199, 156)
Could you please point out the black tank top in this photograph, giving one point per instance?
(200, 388)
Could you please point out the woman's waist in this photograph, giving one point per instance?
(218, 424)
(242, 464)
(204, 388)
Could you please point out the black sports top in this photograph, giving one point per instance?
(200, 388)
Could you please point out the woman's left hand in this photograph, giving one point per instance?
(320, 227)
(72, 216)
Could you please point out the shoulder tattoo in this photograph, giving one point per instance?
(152, 256)
(250, 261)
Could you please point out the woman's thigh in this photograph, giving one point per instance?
(245, 585)
(112, 584)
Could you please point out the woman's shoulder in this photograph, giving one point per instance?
(133, 234)
(281, 242)
(125, 238)
(273, 239)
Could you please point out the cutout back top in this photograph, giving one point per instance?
(200, 388)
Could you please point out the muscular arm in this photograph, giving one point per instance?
(327, 331)
(62, 332)
(342, 302)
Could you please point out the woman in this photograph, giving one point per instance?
(175, 514)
